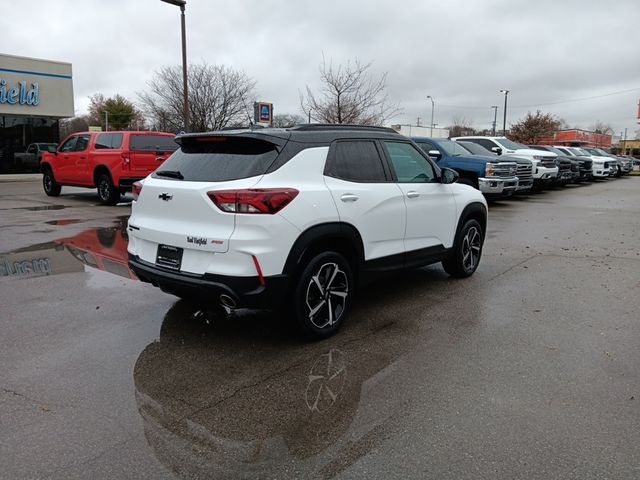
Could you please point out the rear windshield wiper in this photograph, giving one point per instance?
(170, 174)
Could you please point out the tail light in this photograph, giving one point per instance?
(126, 159)
(136, 188)
(253, 200)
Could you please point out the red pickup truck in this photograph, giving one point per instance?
(108, 161)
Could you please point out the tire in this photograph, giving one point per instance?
(327, 269)
(49, 184)
(467, 251)
(107, 192)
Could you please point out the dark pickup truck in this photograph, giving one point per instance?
(491, 175)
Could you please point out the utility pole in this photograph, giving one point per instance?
(495, 118)
(432, 108)
(504, 122)
(418, 122)
(182, 4)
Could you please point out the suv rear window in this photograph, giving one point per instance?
(161, 143)
(220, 159)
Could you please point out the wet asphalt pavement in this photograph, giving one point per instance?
(528, 369)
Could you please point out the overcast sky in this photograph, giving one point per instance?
(460, 52)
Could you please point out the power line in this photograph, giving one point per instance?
(557, 102)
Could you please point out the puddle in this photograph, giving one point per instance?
(103, 248)
(42, 207)
(64, 222)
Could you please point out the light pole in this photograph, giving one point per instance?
(432, 108)
(182, 4)
(495, 118)
(504, 122)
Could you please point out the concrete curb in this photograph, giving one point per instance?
(21, 177)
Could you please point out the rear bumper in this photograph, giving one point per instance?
(246, 292)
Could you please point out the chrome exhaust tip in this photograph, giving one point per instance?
(227, 301)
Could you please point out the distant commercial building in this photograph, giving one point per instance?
(421, 131)
(34, 95)
(579, 138)
(629, 147)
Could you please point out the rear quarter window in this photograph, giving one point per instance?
(220, 159)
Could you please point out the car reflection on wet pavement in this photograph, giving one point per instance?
(104, 248)
(217, 404)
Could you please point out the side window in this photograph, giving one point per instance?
(109, 141)
(355, 161)
(82, 143)
(69, 145)
(427, 147)
(409, 164)
(488, 144)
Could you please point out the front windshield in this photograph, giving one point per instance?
(557, 151)
(509, 145)
(602, 152)
(579, 151)
(591, 151)
(476, 149)
(452, 148)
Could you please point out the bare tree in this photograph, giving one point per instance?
(460, 126)
(601, 127)
(286, 120)
(73, 125)
(349, 94)
(218, 97)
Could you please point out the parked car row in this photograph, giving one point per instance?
(499, 167)
(295, 218)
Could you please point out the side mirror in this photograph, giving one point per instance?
(449, 176)
(435, 154)
(496, 150)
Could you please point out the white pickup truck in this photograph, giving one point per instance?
(545, 169)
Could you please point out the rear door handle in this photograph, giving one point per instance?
(349, 197)
(413, 194)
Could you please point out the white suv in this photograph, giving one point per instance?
(545, 169)
(272, 218)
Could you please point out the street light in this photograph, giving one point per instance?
(182, 4)
(432, 107)
(504, 122)
(495, 118)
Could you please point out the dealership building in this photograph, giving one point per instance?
(34, 95)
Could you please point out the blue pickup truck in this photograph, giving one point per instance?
(494, 178)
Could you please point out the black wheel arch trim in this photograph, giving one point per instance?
(472, 210)
(100, 169)
(325, 232)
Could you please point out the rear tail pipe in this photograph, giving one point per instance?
(227, 302)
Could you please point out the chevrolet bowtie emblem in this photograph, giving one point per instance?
(165, 196)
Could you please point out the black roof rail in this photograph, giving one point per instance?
(314, 127)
